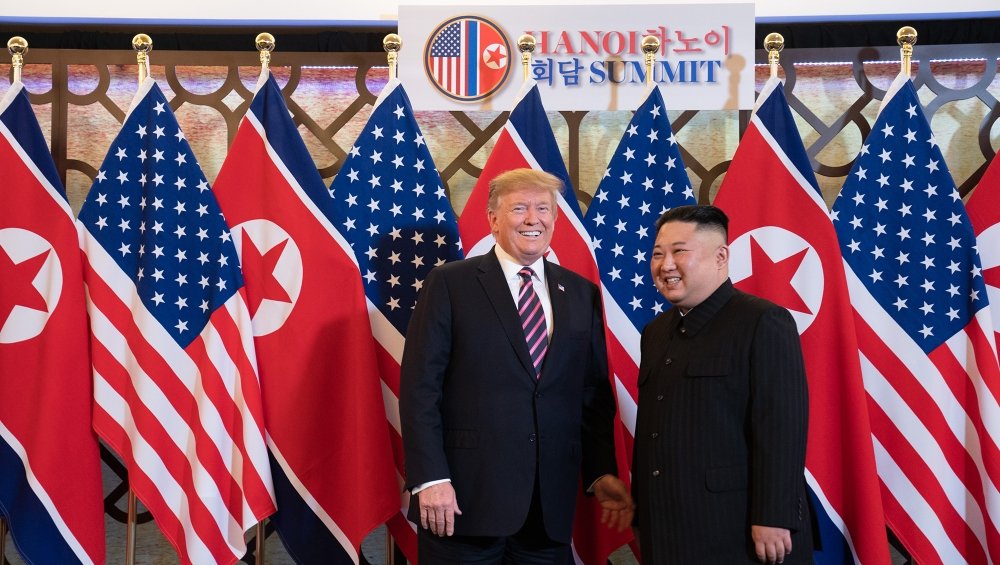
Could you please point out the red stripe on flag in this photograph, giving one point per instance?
(151, 429)
(905, 529)
(927, 484)
(919, 401)
(144, 489)
(152, 363)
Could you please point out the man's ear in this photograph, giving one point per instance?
(722, 255)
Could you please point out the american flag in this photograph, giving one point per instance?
(56, 515)
(527, 141)
(984, 211)
(923, 322)
(175, 380)
(446, 60)
(784, 248)
(322, 399)
(645, 178)
(392, 208)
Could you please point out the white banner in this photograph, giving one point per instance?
(586, 57)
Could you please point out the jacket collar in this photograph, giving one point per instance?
(699, 316)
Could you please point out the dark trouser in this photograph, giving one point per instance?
(529, 546)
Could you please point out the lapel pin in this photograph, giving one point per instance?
(561, 288)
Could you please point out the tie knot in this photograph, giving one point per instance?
(526, 273)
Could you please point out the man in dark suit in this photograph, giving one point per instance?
(720, 443)
(505, 400)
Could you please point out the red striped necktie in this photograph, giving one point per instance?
(529, 307)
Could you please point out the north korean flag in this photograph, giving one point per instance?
(784, 248)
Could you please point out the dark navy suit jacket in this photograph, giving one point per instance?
(473, 411)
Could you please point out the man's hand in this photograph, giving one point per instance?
(771, 544)
(616, 502)
(438, 508)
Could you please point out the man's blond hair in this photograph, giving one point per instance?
(515, 178)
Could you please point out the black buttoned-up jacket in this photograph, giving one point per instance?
(721, 428)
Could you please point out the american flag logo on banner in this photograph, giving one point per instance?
(467, 58)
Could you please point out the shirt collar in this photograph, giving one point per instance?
(511, 267)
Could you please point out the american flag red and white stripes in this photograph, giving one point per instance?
(925, 334)
(175, 381)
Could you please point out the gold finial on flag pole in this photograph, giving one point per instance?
(526, 45)
(17, 46)
(650, 46)
(265, 44)
(142, 44)
(774, 43)
(906, 37)
(392, 43)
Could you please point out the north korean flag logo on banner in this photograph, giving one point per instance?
(467, 58)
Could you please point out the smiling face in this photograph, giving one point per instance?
(688, 264)
(522, 222)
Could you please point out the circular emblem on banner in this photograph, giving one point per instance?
(467, 58)
(32, 280)
(780, 266)
(272, 267)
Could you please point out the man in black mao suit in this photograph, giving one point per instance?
(720, 443)
(505, 400)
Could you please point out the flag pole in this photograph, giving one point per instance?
(906, 37)
(392, 43)
(3, 539)
(774, 43)
(526, 45)
(17, 46)
(265, 44)
(142, 44)
(650, 46)
(130, 530)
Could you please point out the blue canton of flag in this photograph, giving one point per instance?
(904, 231)
(645, 178)
(154, 212)
(447, 42)
(392, 208)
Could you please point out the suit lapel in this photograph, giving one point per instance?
(560, 310)
(497, 290)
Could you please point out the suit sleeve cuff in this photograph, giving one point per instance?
(421, 487)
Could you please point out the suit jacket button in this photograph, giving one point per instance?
(531, 438)
(668, 361)
(656, 473)
(654, 435)
(659, 397)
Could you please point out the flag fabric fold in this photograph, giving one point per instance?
(176, 393)
(526, 140)
(984, 212)
(784, 249)
(389, 202)
(925, 336)
(55, 515)
(644, 179)
(315, 353)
